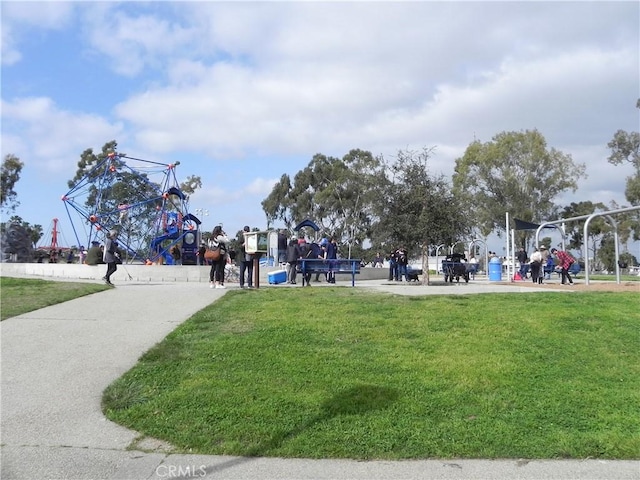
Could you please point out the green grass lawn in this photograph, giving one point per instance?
(22, 295)
(346, 373)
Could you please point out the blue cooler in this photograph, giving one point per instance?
(277, 276)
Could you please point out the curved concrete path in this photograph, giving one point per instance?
(56, 362)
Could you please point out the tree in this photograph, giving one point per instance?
(279, 205)
(417, 209)
(515, 172)
(190, 185)
(337, 194)
(598, 227)
(607, 255)
(35, 232)
(625, 147)
(9, 175)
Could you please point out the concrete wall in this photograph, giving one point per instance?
(145, 273)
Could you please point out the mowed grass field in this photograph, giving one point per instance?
(22, 295)
(347, 373)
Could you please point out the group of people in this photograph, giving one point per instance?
(298, 249)
(398, 261)
(220, 241)
(542, 259)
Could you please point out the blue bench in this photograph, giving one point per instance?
(574, 269)
(308, 266)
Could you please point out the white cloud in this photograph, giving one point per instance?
(22, 19)
(133, 42)
(225, 83)
(52, 137)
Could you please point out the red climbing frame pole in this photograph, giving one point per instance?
(54, 235)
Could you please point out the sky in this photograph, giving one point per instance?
(241, 93)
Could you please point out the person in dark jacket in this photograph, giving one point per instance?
(110, 256)
(94, 254)
(292, 257)
(312, 251)
(201, 252)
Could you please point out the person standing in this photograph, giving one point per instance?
(293, 254)
(544, 253)
(311, 251)
(332, 255)
(535, 265)
(218, 240)
(565, 260)
(110, 256)
(246, 261)
(522, 259)
(473, 267)
(282, 246)
(393, 266)
(324, 245)
(402, 258)
(201, 251)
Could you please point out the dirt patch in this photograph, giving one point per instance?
(579, 285)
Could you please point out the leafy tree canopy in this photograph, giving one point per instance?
(517, 173)
(625, 147)
(337, 193)
(35, 231)
(360, 196)
(9, 176)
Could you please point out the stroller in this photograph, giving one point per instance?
(454, 267)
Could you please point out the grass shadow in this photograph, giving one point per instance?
(358, 400)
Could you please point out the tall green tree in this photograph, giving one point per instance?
(417, 209)
(9, 176)
(625, 148)
(606, 258)
(35, 232)
(598, 227)
(336, 193)
(517, 173)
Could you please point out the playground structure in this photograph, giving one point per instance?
(609, 216)
(141, 199)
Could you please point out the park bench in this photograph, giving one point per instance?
(349, 266)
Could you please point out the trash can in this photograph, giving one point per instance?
(495, 270)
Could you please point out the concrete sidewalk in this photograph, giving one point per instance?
(57, 361)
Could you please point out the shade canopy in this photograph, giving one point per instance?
(307, 223)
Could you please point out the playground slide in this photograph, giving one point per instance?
(156, 242)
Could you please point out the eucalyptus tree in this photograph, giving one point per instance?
(625, 147)
(338, 194)
(9, 176)
(516, 173)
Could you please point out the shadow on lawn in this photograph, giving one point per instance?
(357, 400)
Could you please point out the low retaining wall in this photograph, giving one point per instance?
(145, 273)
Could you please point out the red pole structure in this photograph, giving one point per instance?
(54, 235)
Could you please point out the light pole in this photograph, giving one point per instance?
(201, 212)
